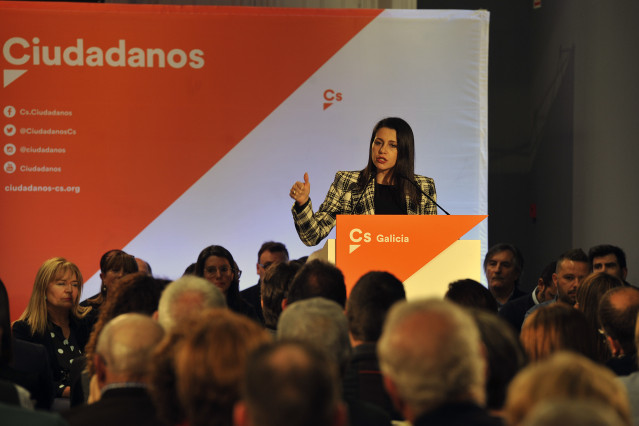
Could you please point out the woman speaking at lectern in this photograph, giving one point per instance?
(387, 185)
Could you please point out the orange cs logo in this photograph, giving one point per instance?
(330, 97)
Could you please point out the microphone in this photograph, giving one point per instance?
(354, 186)
(423, 192)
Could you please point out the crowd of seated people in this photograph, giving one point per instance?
(299, 349)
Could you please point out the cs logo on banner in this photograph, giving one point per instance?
(330, 97)
(357, 236)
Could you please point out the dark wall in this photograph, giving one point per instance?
(563, 126)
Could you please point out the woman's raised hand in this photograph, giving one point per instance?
(301, 191)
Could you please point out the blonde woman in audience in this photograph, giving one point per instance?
(557, 327)
(565, 376)
(54, 318)
(582, 413)
(588, 295)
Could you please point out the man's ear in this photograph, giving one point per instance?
(615, 347)
(257, 268)
(624, 272)
(284, 303)
(240, 414)
(155, 315)
(100, 369)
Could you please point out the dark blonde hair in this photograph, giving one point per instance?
(564, 376)
(557, 327)
(210, 363)
(36, 314)
(588, 295)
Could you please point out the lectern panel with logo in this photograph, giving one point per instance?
(403, 245)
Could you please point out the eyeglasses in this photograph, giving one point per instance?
(266, 265)
(212, 270)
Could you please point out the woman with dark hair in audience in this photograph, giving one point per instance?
(471, 294)
(23, 363)
(557, 327)
(277, 279)
(114, 264)
(216, 265)
(137, 292)
(588, 295)
(55, 319)
(504, 355)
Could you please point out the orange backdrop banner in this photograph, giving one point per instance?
(111, 112)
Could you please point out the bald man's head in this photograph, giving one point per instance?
(125, 345)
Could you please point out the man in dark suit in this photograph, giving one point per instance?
(122, 360)
(503, 265)
(514, 311)
(369, 301)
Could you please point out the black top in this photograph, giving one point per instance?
(31, 370)
(61, 351)
(363, 380)
(389, 200)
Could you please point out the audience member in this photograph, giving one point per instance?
(163, 379)
(504, 355)
(54, 318)
(631, 382)
(318, 279)
(366, 308)
(290, 383)
(270, 252)
(609, 259)
(23, 363)
(216, 265)
(572, 268)
(503, 265)
(578, 412)
(562, 377)
(471, 294)
(114, 264)
(143, 266)
(210, 363)
(187, 295)
(557, 327)
(430, 353)
(515, 310)
(618, 310)
(322, 323)
(13, 394)
(190, 270)
(135, 292)
(587, 299)
(275, 285)
(121, 361)
(13, 415)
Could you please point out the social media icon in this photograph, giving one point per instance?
(9, 167)
(9, 111)
(9, 149)
(9, 130)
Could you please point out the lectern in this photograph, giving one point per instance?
(424, 252)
